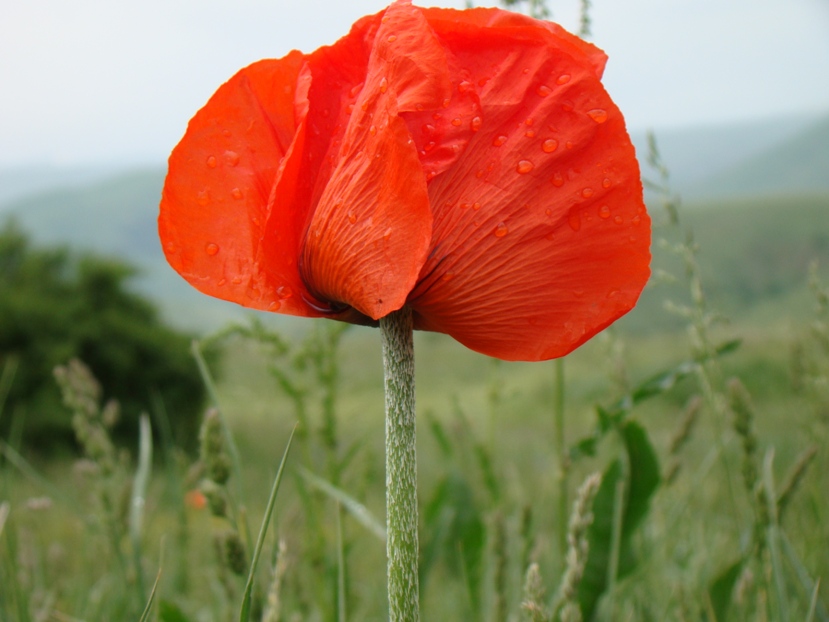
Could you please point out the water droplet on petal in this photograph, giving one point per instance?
(476, 206)
(221, 282)
(446, 103)
(236, 193)
(543, 90)
(567, 105)
(274, 306)
(457, 121)
(203, 197)
(605, 183)
(557, 180)
(236, 280)
(465, 86)
(599, 115)
(548, 212)
(549, 145)
(428, 129)
(384, 85)
(284, 291)
(530, 133)
(529, 122)
(392, 38)
(429, 146)
(587, 193)
(211, 249)
(618, 220)
(574, 219)
(476, 123)
(480, 173)
(499, 140)
(563, 79)
(171, 248)
(211, 162)
(231, 158)
(352, 217)
(636, 220)
(372, 130)
(604, 211)
(501, 230)
(524, 167)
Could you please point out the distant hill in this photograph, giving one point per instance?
(798, 164)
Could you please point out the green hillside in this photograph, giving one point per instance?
(799, 164)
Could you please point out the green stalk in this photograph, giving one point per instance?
(563, 461)
(401, 466)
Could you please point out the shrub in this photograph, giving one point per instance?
(56, 305)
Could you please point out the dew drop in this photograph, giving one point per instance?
(549, 145)
(618, 220)
(457, 121)
(548, 212)
(499, 140)
(529, 121)
(349, 109)
(352, 217)
(483, 81)
(392, 38)
(428, 129)
(476, 123)
(171, 248)
(563, 79)
(480, 173)
(384, 85)
(211, 162)
(284, 291)
(524, 167)
(387, 234)
(221, 282)
(574, 219)
(604, 211)
(446, 103)
(437, 116)
(587, 193)
(636, 220)
(464, 205)
(530, 133)
(211, 249)
(236, 193)
(605, 183)
(567, 106)
(203, 197)
(599, 115)
(355, 90)
(429, 146)
(501, 230)
(476, 206)
(543, 90)
(274, 306)
(557, 180)
(231, 158)
(465, 86)
(372, 130)
(569, 144)
(613, 293)
(447, 276)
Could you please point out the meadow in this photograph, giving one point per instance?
(675, 467)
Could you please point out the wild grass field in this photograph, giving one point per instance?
(705, 414)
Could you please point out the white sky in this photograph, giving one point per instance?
(100, 81)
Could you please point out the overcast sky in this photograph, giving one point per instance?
(97, 81)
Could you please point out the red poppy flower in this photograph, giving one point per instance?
(468, 164)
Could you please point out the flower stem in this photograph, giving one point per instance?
(401, 466)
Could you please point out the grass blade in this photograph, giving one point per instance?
(139, 494)
(244, 614)
(354, 507)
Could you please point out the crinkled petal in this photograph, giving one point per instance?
(215, 201)
(370, 231)
(540, 235)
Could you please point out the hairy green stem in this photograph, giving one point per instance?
(401, 466)
(563, 459)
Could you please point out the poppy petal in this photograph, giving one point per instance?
(215, 201)
(540, 235)
(369, 234)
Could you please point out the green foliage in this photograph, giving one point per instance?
(55, 306)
